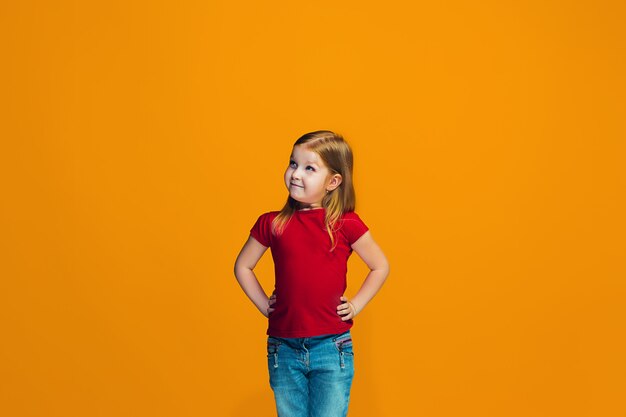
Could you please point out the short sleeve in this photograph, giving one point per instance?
(353, 227)
(262, 229)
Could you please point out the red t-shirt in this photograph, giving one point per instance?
(309, 279)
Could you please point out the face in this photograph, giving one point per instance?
(307, 178)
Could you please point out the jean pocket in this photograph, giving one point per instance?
(343, 344)
(273, 346)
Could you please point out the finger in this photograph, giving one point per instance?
(347, 312)
(352, 308)
(344, 311)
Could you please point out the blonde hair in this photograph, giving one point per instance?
(337, 156)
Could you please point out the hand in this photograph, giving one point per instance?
(347, 309)
(270, 302)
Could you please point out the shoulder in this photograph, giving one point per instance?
(262, 228)
(351, 216)
(269, 214)
(266, 219)
(352, 226)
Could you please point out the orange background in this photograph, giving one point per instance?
(141, 140)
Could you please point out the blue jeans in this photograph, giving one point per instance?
(311, 376)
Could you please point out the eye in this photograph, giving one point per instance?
(311, 167)
(291, 163)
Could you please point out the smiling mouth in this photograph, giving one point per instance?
(295, 185)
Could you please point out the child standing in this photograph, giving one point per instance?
(309, 346)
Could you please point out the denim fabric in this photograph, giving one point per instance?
(311, 376)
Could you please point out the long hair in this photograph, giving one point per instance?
(337, 156)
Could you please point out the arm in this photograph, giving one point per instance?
(375, 259)
(246, 261)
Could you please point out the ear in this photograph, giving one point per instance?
(334, 182)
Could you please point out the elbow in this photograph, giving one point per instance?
(380, 275)
(239, 264)
(240, 269)
(383, 269)
(237, 269)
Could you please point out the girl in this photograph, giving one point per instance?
(309, 346)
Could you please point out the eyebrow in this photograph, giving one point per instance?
(307, 162)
